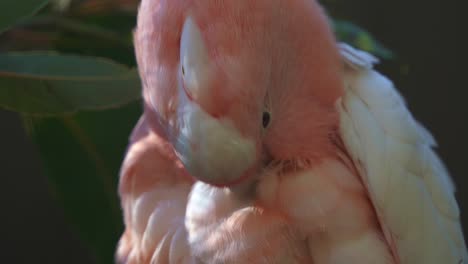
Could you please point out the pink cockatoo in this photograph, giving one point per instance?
(265, 141)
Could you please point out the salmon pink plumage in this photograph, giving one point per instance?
(265, 141)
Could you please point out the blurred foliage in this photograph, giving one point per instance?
(51, 84)
(20, 11)
(358, 37)
(55, 88)
(81, 154)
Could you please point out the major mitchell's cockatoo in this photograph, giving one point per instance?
(265, 141)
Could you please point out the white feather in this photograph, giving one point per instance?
(407, 183)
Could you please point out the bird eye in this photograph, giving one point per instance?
(265, 119)
(183, 70)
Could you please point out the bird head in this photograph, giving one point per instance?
(234, 85)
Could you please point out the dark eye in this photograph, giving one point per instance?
(265, 119)
(183, 70)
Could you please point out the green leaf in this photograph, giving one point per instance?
(52, 84)
(13, 11)
(82, 154)
(360, 38)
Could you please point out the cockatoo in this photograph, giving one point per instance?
(263, 140)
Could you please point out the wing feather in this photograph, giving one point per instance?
(408, 184)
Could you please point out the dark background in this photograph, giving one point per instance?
(426, 37)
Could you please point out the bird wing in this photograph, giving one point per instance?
(153, 191)
(408, 184)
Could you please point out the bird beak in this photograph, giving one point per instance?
(198, 74)
(207, 142)
(211, 149)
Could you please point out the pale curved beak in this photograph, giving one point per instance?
(196, 68)
(208, 144)
(212, 149)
